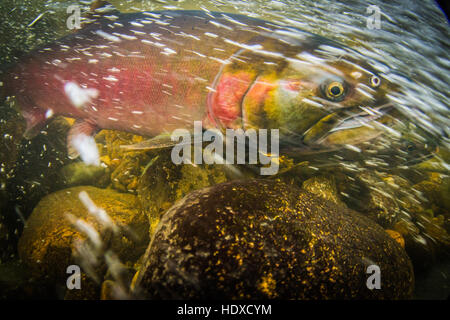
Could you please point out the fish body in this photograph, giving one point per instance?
(150, 73)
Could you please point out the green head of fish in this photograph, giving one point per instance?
(319, 100)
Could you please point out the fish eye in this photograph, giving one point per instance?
(335, 91)
(375, 81)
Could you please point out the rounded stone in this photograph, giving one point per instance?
(80, 174)
(324, 187)
(47, 241)
(262, 239)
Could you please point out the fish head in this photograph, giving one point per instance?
(320, 101)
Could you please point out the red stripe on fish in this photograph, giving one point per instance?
(227, 98)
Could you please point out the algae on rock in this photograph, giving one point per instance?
(263, 239)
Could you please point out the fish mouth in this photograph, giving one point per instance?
(363, 118)
(348, 127)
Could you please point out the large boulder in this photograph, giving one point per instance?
(264, 239)
(47, 242)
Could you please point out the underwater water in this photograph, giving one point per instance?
(354, 95)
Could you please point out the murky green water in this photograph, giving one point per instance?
(57, 212)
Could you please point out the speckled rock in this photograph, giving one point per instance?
(164, 182)
(397, 236)
(374, 195)
(436, 190)
(47, 242)
(124, 166)
(264, 239)
(324, 187)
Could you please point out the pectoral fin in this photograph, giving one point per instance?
(161, 141)
(35, 119)
(80, 142)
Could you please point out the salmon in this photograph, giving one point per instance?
(150, 73)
